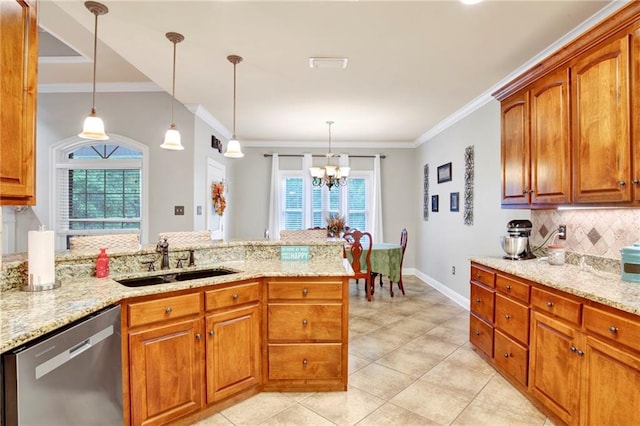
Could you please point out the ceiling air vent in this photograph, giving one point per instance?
(328, 62)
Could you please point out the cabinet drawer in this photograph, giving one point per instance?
(482, 301)
(513, 288)
(232, 296)
(615, 327)
(163, 309)
(484, 276)
(512, 318)
(481, 335)
(511, 357)
(305, 321)
(305, 291)
(559, 306)
(312, 361)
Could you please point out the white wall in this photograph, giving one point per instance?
(445, 241)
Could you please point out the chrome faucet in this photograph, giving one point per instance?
(163, 248)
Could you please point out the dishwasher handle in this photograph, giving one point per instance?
(67, 355)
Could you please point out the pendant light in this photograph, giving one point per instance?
(172, 138)
(329, 175)
(93, 127)
(233, 146)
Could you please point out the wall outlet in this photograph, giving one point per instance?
(562, 232)
(199, 210)
(453, 270)
(178, 210)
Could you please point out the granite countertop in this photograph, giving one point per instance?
(591, 284)
(25, 316)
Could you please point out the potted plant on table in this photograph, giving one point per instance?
(336, 225)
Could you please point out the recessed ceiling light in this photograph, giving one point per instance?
(328, 62)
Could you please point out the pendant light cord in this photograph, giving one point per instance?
(95, 62)
(234, 100)
(173, 87)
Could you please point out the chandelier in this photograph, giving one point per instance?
(329, 175)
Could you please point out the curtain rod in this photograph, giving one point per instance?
(323, 155)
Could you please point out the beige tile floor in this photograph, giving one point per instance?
(410, 363)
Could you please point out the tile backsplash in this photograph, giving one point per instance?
(596, 232)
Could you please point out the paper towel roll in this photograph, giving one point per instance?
(41, 257)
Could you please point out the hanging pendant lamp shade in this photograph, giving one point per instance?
(172, 139)
(93, 127)
(233, 146)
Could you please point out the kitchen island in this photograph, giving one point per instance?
(191, 348)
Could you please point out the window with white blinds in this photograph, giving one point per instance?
(98, 190)
(356, 196)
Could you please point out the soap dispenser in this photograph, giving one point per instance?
(102, 264)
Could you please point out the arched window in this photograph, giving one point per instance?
(99, 188)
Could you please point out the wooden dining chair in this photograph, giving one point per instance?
(358, 241)
(403, 244)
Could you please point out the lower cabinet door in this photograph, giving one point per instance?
(556, 359)
(305, 361)
(165, 372)
(511, 357)
(611, 393)
(481, 335)
(233, 352)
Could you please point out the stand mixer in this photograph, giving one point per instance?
(516, 244)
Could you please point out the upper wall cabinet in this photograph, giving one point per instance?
(576, 112)
(18, 88)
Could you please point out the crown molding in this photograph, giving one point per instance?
(63, 59)
(201, 112)
(100, 87)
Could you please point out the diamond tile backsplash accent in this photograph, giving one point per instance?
(593, 232)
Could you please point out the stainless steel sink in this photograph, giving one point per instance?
(170, 278)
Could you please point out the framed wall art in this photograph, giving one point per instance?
(434, 203)
(454, 202)
(444, 173)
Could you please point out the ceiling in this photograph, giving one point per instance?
(412, 65)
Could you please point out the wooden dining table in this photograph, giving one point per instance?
(386, 259)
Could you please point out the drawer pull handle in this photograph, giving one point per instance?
(168, 310)
(550, 304)
(235, 296)
(613, 329)
(576, 350)
(198, 336)
(305, 362)
(305, 291)
(478, 300)
(580, 353)
(478, 332)
(506, 355)
(508, 287)
(478, 275)
(622, 184)
(635, 181)
(507, 316)
(304, 322)
(212, 333)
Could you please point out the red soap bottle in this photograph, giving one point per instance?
(102, 264)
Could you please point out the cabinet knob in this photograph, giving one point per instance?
(478, 300)
(506, 355)
(198, 336)
(508, 287)
(613, 329)
(212, 333)
(305, 291)
(622, 183)
(525, 192)
(576, 351)
(478, 332)
(305, 362)
(235, 296)
(507, 316)
(168, 310)
(304, 322)
(635, 181)
(580, 353)
(550, 304)
(478, 275)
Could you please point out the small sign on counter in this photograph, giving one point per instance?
(300, 253)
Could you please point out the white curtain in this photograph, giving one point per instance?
(274, 199)
(343, 161)
(376, 208)
(307, 163)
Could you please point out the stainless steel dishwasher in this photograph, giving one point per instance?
(73, 377)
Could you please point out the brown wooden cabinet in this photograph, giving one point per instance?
(233, 340)
(516, 183)
(18, 89)
(576, 358)
(601, 123)
(306, 334)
